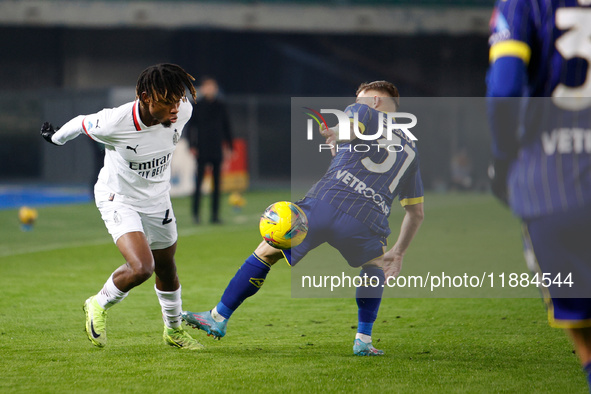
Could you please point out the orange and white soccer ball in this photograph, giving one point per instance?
(283, 225)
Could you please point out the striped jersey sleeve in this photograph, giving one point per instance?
(539, 88)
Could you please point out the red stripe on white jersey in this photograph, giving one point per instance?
(86, 131)
(135, 117)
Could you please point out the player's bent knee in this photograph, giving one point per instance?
(142, 271)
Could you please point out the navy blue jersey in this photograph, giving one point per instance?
(365, 176)
(542, 48)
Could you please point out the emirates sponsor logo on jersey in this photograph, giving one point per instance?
(152, 168)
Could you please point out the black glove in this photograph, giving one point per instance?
(497, 172)
(47, 131)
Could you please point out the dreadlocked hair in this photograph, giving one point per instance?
(165, 82)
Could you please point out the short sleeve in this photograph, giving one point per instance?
(366, 117)
(511, 30)
(97, 126)
(411, 190)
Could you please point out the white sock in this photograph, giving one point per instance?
(363, 337)
(110, 294)
(172, 307)
(216, 316)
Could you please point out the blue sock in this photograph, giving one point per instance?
(369, 299)
(247, 281)
(587, 369)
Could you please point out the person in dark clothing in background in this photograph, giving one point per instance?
(209, 136)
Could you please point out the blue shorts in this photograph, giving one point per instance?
(561, 245)
(356, 242)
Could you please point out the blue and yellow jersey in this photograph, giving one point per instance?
(365, 176)
(550, 38)
(540, 50)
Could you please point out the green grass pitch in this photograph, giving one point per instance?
(275, 343)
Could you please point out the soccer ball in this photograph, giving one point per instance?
(237, 201)
(283, 225)
(27, 217)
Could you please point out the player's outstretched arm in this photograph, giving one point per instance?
(331, 137)
(59, 136)
(392, 259)
(47, 131)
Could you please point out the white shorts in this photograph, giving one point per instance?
(159, 228)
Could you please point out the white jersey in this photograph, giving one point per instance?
(137, 157)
